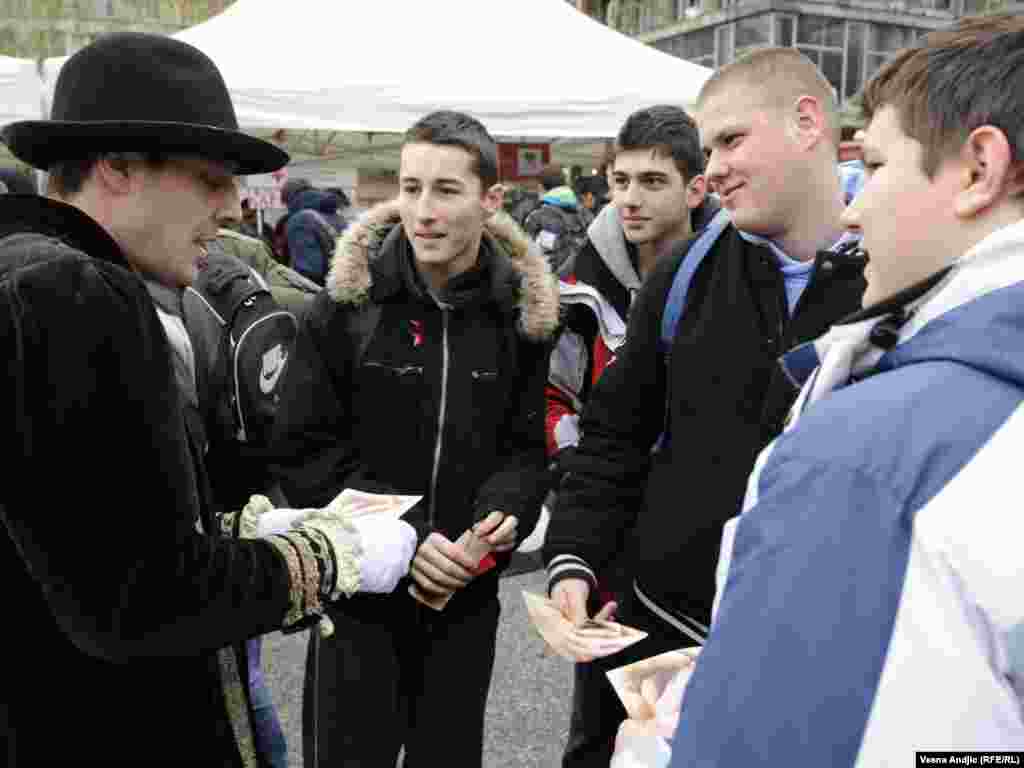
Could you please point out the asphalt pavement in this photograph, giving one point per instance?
(528, 708)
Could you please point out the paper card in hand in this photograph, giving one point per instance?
(269, 521)
(653, 688)
(478, 549)
(357, 503)
(595, 639)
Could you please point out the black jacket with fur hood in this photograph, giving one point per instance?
(444, 402)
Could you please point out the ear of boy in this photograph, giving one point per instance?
(988, 174)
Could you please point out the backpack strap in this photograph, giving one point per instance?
(226, 283)
(675, 303)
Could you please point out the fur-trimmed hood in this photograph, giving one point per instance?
(350, 278)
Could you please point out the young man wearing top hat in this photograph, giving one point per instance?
(122, 606)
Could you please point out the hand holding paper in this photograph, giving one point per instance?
(370, 526)
(442, 566)
(503, 531)
(595, 638)
(651, 691)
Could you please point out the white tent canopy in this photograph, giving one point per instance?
(350, 65)
(21, 90)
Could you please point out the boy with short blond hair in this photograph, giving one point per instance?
(868, 598)
(671, 429)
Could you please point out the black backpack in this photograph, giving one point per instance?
(560, 233)
(243, 341)
(519, 204)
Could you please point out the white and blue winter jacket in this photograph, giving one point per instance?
(871, 595)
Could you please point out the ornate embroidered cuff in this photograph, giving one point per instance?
(248, 519)
(339, 540)
(245, 524)
(305, 573)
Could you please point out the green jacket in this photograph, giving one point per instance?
(291, 290)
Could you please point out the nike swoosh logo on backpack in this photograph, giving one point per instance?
(268, 378)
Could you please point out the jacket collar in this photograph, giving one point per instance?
(619, 255)
(376, 264)
(609, 240)
(42, 215)
(492, 278)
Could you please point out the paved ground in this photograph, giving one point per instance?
(528, 710)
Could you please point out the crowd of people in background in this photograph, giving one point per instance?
(771, 403)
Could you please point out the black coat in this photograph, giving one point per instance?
(727, 398)
(374, 425)
(120, 613)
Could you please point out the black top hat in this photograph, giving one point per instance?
(134, 92)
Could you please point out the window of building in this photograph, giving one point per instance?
(752, 32)
(724, 44)
(703, 48)
(883, 40)
(648, 20)
(822, 40)
(854, 78)
(784, 26)
(819, 31)
(698, 47)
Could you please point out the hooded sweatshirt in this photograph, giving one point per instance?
(878, 554)
(312, 224)
(596, 298)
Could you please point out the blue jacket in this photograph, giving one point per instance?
(869, 594)
(308, 238)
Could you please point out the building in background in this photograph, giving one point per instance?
(847, 39)
(42, 28)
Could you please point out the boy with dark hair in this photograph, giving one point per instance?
(658, 177)
(658, 166)
(868, 569)
(421, 370)
(671, 430)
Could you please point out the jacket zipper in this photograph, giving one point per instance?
(440, 416)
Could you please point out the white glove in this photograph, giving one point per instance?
(388, 545)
